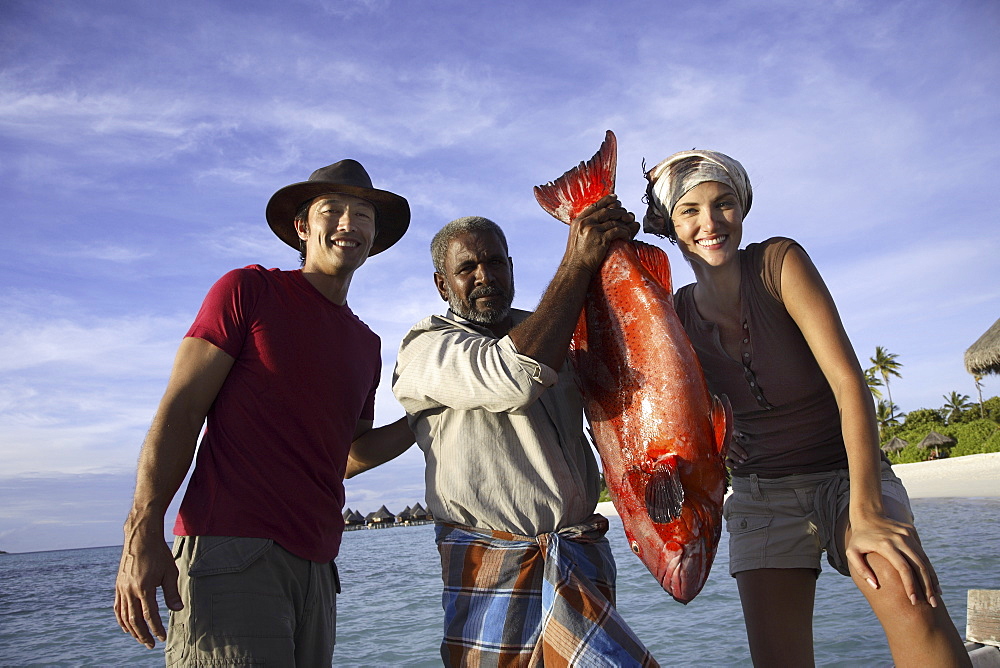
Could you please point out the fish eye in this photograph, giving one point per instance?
(635, 546)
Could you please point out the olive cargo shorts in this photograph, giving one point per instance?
(788, 522)
(248, 601)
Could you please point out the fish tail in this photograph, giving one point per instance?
(722, 420)
(583, 185)
(656, 263)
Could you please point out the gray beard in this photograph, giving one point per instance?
(491, 317)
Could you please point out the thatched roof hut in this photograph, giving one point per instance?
(381, 516)
(418, 512)
(357, 518)
(349, 517)
(983, 356)
(895, 445)
(405, 516)
(935, 440)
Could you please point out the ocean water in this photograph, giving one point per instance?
(56, 607)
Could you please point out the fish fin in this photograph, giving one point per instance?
(656, 263)
(583, 185)
(664, 492)
(722, 419)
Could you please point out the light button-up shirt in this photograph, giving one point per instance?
(502, 434)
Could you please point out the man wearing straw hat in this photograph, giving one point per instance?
(285, 374)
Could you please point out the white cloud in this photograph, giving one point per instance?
(869, 133)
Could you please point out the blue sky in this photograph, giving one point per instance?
(140, 143)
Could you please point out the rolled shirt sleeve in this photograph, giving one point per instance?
(440, 364)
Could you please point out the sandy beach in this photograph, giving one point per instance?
(969, 476)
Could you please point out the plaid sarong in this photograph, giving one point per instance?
(547, 600)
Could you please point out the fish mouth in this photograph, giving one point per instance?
(684, 573)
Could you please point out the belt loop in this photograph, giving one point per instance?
(755, 488)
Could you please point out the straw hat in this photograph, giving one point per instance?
(392, 212)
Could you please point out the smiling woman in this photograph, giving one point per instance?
(807, 476)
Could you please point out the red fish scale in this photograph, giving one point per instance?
(645, 397)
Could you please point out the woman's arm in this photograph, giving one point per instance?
(811, 306)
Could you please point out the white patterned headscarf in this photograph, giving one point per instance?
(671, 178)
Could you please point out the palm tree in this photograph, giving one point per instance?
(954, 404)
(873, 383)
(884, 412)
(979, 388)
(886, 364)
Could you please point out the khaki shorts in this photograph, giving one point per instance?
(249, 601)
(788, 522)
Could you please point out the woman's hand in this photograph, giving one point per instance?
(737, 453)
(898, 543)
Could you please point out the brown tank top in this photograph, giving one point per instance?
(781, 400)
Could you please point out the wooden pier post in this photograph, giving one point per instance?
(983, 617)
(982, 628)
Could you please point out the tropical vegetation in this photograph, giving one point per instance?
(972, 434)
(974, 427)
(886, 364)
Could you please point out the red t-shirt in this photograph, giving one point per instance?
(271, 462)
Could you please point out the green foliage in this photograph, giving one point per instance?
(604, 495)
(885, 416)
(976, 437)
(872, 379)
(925, 419)
(977, 430)
(991, 407)
(955, 405)
(886, 364)
(909, 454)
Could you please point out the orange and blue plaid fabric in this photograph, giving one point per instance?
(546, 600)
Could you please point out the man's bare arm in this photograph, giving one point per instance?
(373, 447)
(197, 376)
(545, 335)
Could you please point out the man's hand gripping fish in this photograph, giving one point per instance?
(661, 436)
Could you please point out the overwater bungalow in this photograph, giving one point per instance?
(419, 514)
(352, 518)
(380, 518)
(405, 517)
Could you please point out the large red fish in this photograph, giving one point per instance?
(661, 436)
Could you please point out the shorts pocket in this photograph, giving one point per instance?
(251, 615)
(213, 555)
(740, 524)
(174, 652)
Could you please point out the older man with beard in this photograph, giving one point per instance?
(511, 480)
